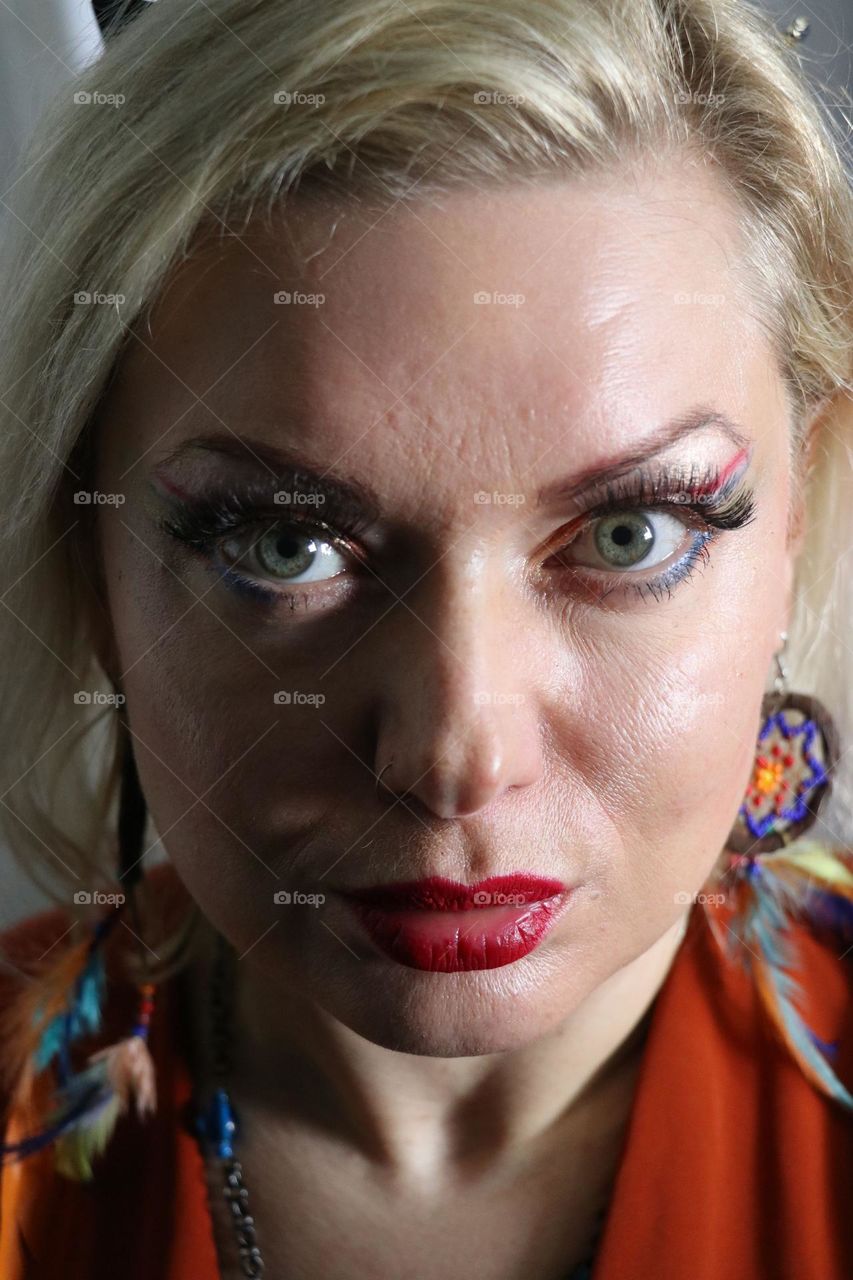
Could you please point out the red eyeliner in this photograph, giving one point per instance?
(164, 482)
(725, 475)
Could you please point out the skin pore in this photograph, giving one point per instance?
(541, 710)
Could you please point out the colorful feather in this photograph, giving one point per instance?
(27, 1020)
(765, 893)
(61, 1005)
(115, 1077)
(83, 1018)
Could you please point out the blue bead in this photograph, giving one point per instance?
(218, 1125)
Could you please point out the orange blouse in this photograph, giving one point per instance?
(733, 1164)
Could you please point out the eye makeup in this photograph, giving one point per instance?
(706, 501)
(198, 520)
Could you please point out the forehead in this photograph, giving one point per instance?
(606, 304)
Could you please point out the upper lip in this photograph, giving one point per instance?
(437, 893)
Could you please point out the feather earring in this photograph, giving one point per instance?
(63, 1004)
(769, 881)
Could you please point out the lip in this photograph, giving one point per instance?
(443, 926)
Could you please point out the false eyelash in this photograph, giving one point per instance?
(714, 507)
(200, 521)
(722, 506)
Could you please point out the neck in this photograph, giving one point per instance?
(298, 1066)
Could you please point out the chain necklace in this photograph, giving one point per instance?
(216, 1123)
(216, 1128)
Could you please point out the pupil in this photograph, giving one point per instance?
(622, 535)
(287, 546)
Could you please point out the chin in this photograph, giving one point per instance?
(450, 1015)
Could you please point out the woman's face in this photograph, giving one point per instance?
(559, 691)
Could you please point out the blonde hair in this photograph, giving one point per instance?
(384, 102)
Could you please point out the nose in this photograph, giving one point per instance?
(458, 722)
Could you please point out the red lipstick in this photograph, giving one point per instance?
(443, 926)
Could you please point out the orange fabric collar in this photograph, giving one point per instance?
(733, 1164)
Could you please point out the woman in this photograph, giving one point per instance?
(426, 436)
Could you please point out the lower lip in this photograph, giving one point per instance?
(451, 941)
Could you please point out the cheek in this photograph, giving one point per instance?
(656, 729)
(664, 766)
(232, 777)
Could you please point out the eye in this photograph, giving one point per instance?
(284, 553)
(626, 540)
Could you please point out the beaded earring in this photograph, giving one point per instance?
(770, 877)
(62, 1005)
(796, 751)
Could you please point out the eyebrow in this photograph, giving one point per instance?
(686, 424)
(287, 465)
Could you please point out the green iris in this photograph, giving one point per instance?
(625, 539)
(286, 554)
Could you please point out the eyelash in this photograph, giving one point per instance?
(720, 508)
(202, 523)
